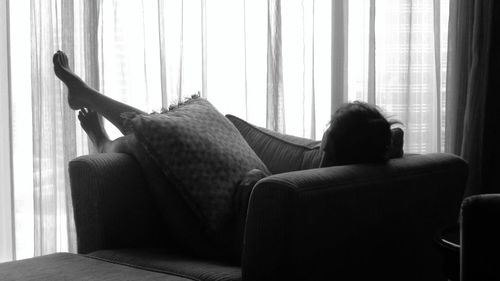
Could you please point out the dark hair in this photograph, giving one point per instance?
(358, 133)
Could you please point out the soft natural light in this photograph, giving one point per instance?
(410, 61)
(236, 57)
(6, 216)
(22, 128)
(151, 54)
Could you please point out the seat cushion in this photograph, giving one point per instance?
(160, 260)
(65, 266)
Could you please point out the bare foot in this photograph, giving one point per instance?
(76, 86)
(89, 120)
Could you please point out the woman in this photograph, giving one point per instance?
(358, 132)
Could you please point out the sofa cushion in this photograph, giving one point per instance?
(285, 153)
(65, 266)
(201, 153)
(161, 260)
(281, 153)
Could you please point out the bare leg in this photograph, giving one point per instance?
(81, 95)
(89, 120)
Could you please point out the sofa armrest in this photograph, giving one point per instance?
(480, 233)
(111, 203)
(353, 222)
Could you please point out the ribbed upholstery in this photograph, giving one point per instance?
(281, 153)
(352, 222)
(480, 234)
(71, 267)
(166, 262)
(112, 206)
(357, 222)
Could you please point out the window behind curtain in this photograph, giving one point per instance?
(409, 65)
(230, 37)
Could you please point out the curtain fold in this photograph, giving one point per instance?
(285, 65)
(395, 61)
(68, 126)
(53, 131)
(7, 224)
(467, 83)
(340, 51)
(275, 103)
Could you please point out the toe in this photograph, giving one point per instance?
(64, 59)
(55, 58)
(59, 60)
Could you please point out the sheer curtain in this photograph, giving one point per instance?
(397, 60)
(265, 61)
(46, 134)
(6, 212)
(285, 65)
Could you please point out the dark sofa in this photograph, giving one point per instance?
(350, 222)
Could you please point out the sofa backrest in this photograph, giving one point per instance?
(281, 153)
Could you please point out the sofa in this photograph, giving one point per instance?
(479, 247)
(350, 222)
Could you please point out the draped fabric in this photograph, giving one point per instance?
(275, 106)
(229, 51)
(53, 127)
(397, 60)
(6, 230)
(285, 65)
(469, 53)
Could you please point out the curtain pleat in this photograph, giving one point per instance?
(204, 87)
(92, 53)
(467, 84)
(68, 115)
(401, 66)
(437, 70)
(163, 67)
(275, 103)
(7, 221)
(287, 65)
(312, 123)
(372, 69)
(53, 130)
(340, 50)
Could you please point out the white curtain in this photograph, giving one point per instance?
(265, 61)
(282, 64)
(6, 211)
(45, 132)
(397, 60)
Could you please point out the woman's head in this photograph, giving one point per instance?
(358, 133)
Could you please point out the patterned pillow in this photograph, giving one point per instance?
(201, 153)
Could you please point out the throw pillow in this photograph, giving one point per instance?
(182, 224)
(201, 153)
